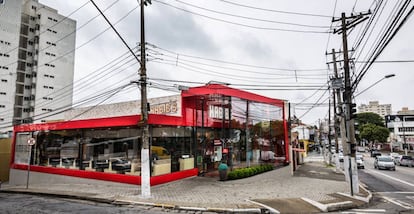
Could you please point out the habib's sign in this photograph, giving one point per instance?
(170, 107)
(217, 112)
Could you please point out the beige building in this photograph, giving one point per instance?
(405, 111)
(375, 107)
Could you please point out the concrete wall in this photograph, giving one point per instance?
(5, 154)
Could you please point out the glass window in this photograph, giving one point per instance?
(171, 149)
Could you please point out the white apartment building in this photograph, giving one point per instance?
(401, 128)
(375, 107)
(36, 63)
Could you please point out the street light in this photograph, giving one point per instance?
(385, 77)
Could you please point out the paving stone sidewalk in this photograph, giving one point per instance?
(273, 190)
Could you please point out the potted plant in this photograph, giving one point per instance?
(222, 168)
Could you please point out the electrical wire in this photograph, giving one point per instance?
(250, 18)
(117, 33)
(390, 35)
(276, 11)
(57, 23)
(240, 24)
(234, 63)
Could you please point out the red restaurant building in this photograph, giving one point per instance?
(189, 135)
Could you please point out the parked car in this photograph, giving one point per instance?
(394, 156)
(341, 157)
(405, 160)
(375, 153)
(360, 162)
(384, 162)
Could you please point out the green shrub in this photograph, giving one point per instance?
(248, 171)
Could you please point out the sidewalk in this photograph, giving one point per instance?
(314, 188)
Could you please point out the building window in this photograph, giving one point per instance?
(2, 106)
(5, 68)
(49, 65)
(2, 93)
(3, 80)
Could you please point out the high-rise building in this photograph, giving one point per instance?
(36, 63)
(375, 107)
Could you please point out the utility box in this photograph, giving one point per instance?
(5, 154)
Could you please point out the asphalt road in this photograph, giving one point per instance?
(393, 191)
(29, 204)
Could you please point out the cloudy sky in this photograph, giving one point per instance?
(273, 48)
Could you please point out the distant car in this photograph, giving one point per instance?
(360, 162)
(394, 156)
(405, 160)
(384, 162)
(375, 153)
(341, 157)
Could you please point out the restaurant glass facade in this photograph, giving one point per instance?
(239, 128)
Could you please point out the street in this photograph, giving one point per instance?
(393, 191)
(28, 204)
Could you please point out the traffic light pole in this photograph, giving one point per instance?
(348, 105)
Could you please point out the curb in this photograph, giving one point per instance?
(126, 202)
(331, 206)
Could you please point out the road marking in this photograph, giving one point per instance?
(361, 211)
(390, 177)
(395, 192)
(398, 203)
(369, 210)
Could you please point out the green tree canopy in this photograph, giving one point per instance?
(372, 133)
(369, 117)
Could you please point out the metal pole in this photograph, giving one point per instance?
(145, 157)
(28, 167)
(405, 142)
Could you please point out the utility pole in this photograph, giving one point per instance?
(145, 150)
(348, 105)
(339, 122)
(329, 129)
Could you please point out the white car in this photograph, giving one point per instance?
(384, 162)
(360, 162)
(394, 156)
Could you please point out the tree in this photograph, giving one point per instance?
(374, 133)
(369, 117)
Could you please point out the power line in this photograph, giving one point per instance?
(57, 23)
(179, 60)
(117, 33)
(240, 24)
(392, 31)
(276, 11)
(235, 63)
(250, 18)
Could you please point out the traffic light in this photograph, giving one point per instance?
(353, 111)
(353, 148)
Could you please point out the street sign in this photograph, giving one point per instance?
(31, 141)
